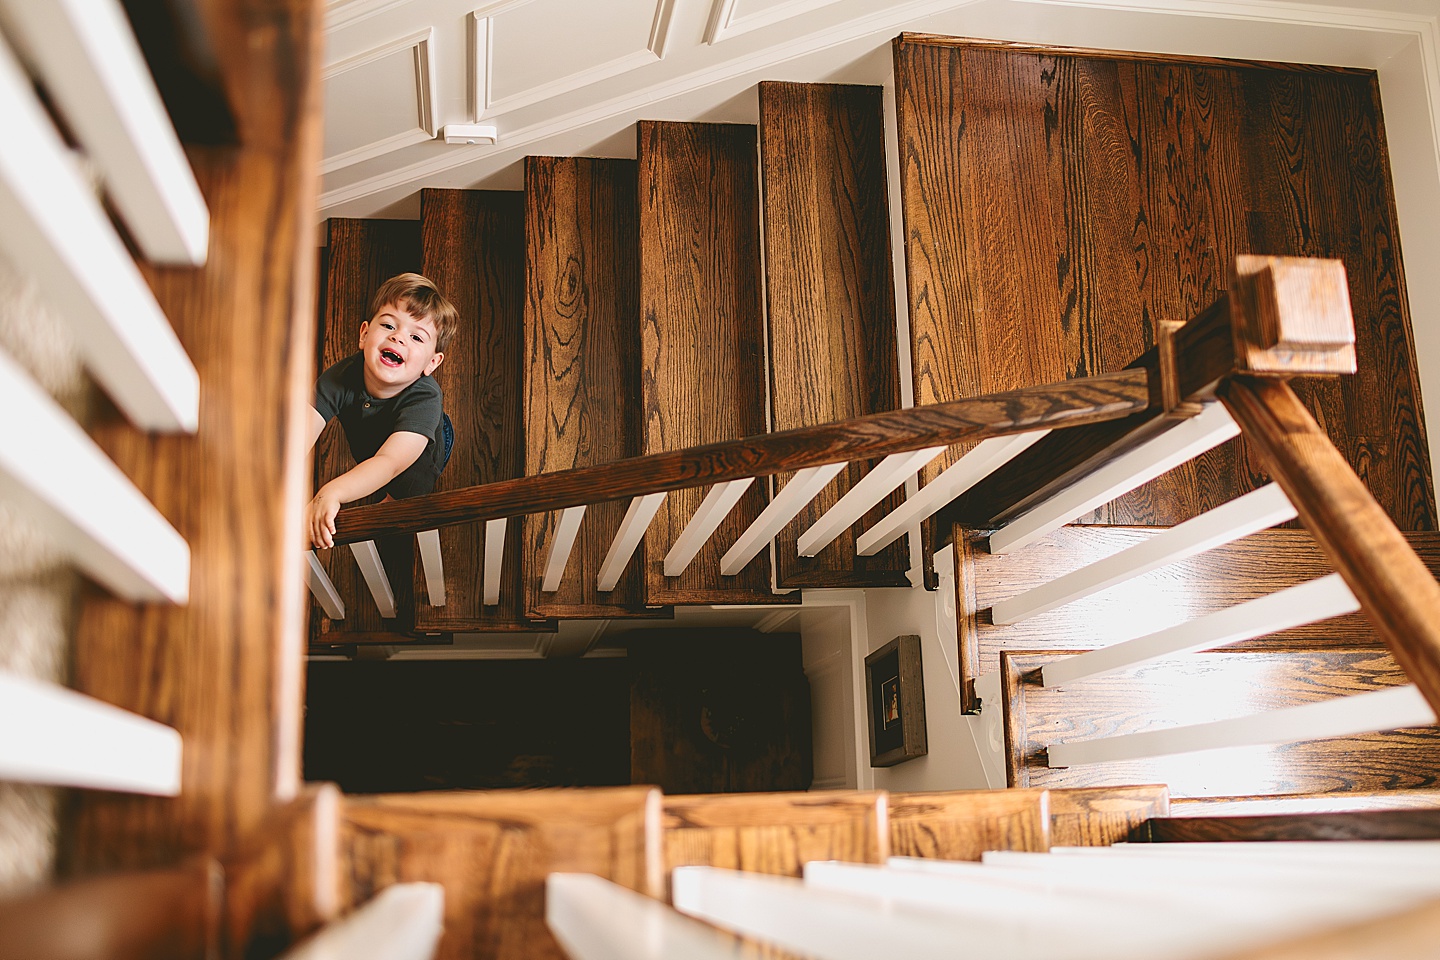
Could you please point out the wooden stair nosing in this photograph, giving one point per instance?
(1378, 825)
(1362, 763)
(831, 305)
(581, 368)
(1203, 584)
(702, 362)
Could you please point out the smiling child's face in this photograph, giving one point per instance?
(398, 348)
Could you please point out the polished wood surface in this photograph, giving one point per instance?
(831, 300)
(1397, 593)
(1306, 803)
(1206, 687)
(963, 824)
(581, 368)
(1244, 570)
(283, 882)
(225, 670)
(1060, 203)
(1366, 825)
(169, 914)
(492, 851)
(775, 833)
(701, 336)
(1072, 403)
(473, 247)
(1100, 816)
(360, 256)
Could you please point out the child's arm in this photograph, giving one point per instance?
(396, 454)
(317, 426)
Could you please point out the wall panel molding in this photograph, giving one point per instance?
(422, 45)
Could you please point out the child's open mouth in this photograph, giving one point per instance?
(391, 358)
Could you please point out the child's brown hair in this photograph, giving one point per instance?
(419, 297)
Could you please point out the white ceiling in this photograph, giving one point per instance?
(571, 76)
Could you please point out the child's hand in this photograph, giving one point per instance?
(320, 518)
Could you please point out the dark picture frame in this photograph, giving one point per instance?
(895, 698)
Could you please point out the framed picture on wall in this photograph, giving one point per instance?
(895, 694)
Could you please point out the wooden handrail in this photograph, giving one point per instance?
(1394, 587)
(1068, 403)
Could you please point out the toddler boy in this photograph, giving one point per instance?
(388, 404)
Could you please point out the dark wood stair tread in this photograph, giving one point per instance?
(701, 337)
(1354, 825)
(581, 367)
(831, 303)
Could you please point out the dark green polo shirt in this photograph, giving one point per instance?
(369, 422)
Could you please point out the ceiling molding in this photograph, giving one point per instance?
(421, 45)
(343, 13)
(894, 18)
(658, 37)
(724, 24)
(477, 92)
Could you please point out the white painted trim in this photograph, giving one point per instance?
(890, 473)
(53, 229)
(373, 149)
(564, 541)
(595, 919)
(802, 488)
(1285, 609)
(1363, 713)
(1255, 511)
(660, 28)
(427, 98)
(367, 557)
(87, 56)
(637, 520)
(494, 561)
(434, 566)
(322, 587)
(664, 89)
(402, 922)
(344, 13)
(59, 737)
(478, 64)
(67, 485)
(983, 459)
(724, 24)
(1180, 443)
(716, 506)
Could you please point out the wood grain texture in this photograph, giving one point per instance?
(225, 670)
(775, 833)
(1100, 816)
(492, 851)
(361, 255)
(831, 299)
(1366, 825)
(1058, 204)
(963, 824)
(1067, 404)
(1305, 803)
(702, 357)
(169, 914)
(283, 882)
(1215, 686)
(472, 245)
(1237, 572)
(581, 367)
(1398, 595)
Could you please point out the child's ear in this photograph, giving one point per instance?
(434, 362)
(364, 325)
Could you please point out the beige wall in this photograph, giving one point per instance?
(38, 589)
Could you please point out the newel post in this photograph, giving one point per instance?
(1289, 317)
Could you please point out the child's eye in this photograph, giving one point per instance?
(417, 338)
